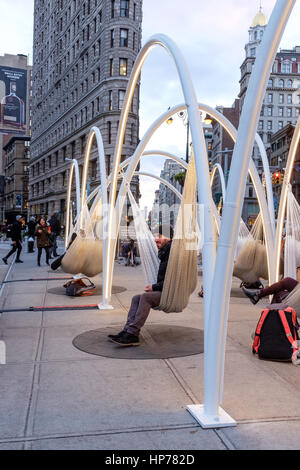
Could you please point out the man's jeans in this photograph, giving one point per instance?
(140, 309)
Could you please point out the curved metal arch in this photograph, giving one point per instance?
(74, 165)
(201, 161)
(134, 160)
(218, 167)
(284, 191)
(219, 305)
(95, 133)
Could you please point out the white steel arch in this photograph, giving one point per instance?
(218, 167)
(201, 161)
(73, 166)
(96, 134)
(284, 192)
(209, 414)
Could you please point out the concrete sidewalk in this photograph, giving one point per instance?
(54, 396)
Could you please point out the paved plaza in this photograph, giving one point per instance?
(54, 396)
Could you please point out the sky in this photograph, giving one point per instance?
(211, 36)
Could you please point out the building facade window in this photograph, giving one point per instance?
(270, 111)
(280, 112)
(289, 112)
(270, 97)
(286, 67)
(123, 67)
(281, 98)
(280, 125)
(124, 8)
(108, 132)
(111, 67)
(110, 100)
(112, 36)
(123, 37)
(269, 125)
(113, 8)
(289, 99)
(121, 97)
(281, 83)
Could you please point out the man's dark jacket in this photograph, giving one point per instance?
(16, 232)
(163, 255)
(55, 226)
(31, 228)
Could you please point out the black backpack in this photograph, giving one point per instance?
(77, 288)
(276, 335)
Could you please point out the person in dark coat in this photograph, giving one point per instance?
(16, 237)
(129, 253)
(142, 304)
(42, 234)
(55, 232)
(31, 234)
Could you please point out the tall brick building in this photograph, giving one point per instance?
(83, 54)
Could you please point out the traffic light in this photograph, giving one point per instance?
(277, 178)
(281, 178)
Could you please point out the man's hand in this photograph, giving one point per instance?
(148, 288)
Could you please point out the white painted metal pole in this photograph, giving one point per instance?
(74, 165)
(95, 133)
(218, 312)
(218, 167)
(268, 179)
(284, 191)
(201, 161)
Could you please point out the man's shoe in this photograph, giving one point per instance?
(4, 260)
(127, 339)
(252, 295)
(19, 261)
(117, 335)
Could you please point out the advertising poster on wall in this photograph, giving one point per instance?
(13, 91)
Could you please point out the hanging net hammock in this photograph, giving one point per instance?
(251, 263)
(85, 253)
(292, 239)
(181, 275)
(147, 247)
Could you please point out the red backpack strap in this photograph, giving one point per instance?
(293, 312)
(256, 341)
(292, 340)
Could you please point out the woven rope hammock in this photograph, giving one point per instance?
(85, 254)
(251, 263)
(292, 239)
(181, 275)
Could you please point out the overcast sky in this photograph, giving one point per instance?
(211, 35)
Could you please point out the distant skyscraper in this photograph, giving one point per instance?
(281, 105)
(83, 54)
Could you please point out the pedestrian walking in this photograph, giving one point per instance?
(42, 234)
(55, 232)
(31, 234)
(16, 237)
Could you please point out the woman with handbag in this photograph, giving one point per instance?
(42, 234)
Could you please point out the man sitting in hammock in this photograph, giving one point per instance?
(142, 304)
(280, 290)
